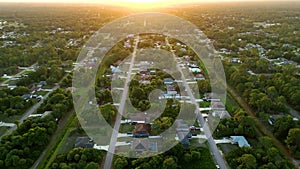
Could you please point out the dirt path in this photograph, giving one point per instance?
(261, 126)
(61, 125)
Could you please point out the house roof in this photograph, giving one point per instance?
(142, 128)
(241, 140)
(140, 144)
(171, 88)
(211, 96)
(168, 80)
(217, 106)
(115, 69)
(195, 70)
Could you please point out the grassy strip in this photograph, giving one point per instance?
(51, 154)
(231, 104)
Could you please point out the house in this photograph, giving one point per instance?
(140, 145)
(193, 66)
(27, 96)
(235, 60)
(183, 132)
(145, 78)
(195, 70)
(217, 106)
(115, 69)
(145, 144)
(211, 97)
(221, 114)
(12, 86)
(199, 76)
(141, 130)
(187, 58)
(272, 118)
(176, 96)
(84, 142)
(168, 81)
(41, 84)
(171, 90)
(240, 140)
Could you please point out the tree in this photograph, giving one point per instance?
(120, 163)
(92, 165)
(283, 125)
(108, 111)
(187, 157)
(195, 155)
(19, 91)
(169, 163)
(293, 141)
(247, 161)
(246, 126)
(161, 124)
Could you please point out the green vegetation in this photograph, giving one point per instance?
(11, 102)
(21, 148)
(177, 157)
(263, 36)
(79, 158)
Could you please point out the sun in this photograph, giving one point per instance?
(142, 4)
(142, 1)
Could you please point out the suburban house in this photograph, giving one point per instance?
(145, 144)
(195, 70)
(235, 60)
(240, 140)
(171, 90)
(272, 118)
(211, 97)
(221, 114)
(145, 79)
(199, 76)
(84, 142)
(27, 96)
(115, 69)
(41, 84)
(141, 130)
(183, 132)
(217, 106)
(168, 81)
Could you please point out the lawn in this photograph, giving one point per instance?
(2, 79)
(204, 104)
(205, 162)
(10, 119)
(3, 130)
(125, 128)
(226, 148)
(231, 104)
(43, 93)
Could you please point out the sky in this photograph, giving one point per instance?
(134, 3)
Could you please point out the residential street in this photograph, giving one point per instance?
(29, 112)
(18, 74)
(212, 145)
(113, 141)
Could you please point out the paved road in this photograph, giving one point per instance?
(28, 113)
(18, 74)
(113, 141)
(212, 145)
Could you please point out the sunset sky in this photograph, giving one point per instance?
(135, 3)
